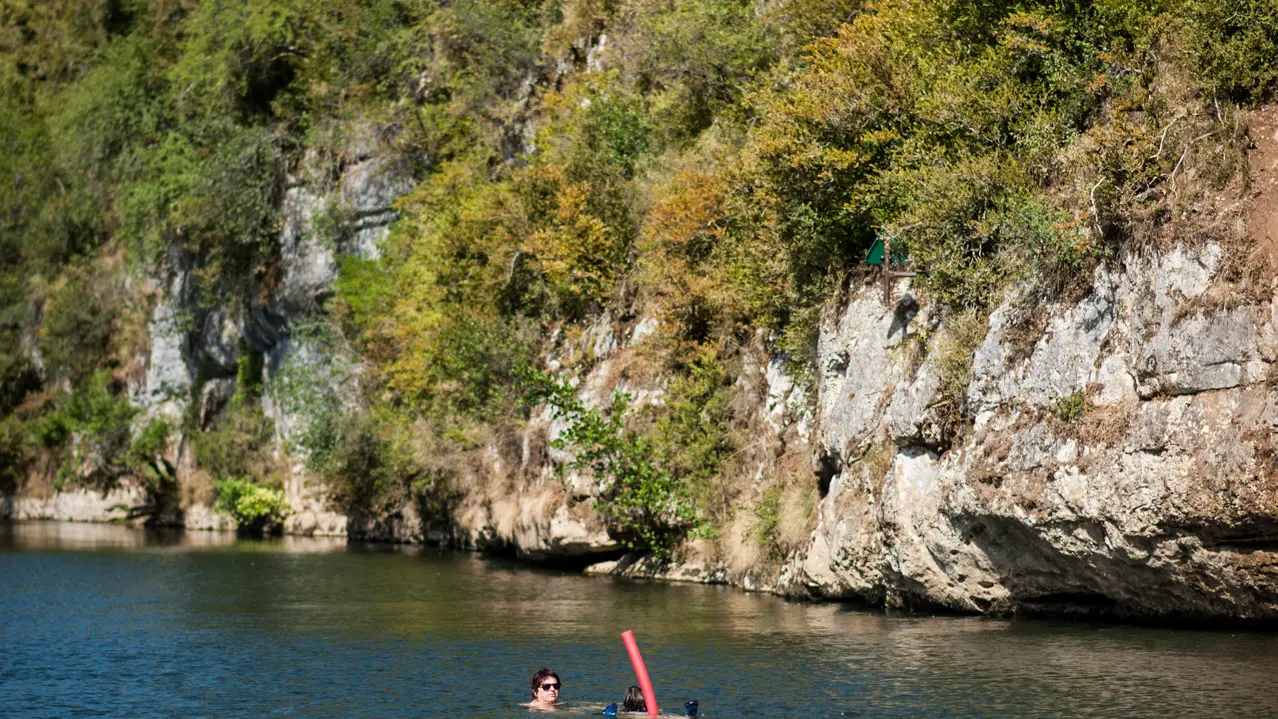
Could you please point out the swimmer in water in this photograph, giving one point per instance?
(545, 691)
(634, 701)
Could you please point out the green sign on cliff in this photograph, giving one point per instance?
(877, 250)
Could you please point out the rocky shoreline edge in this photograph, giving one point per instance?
(636, 567)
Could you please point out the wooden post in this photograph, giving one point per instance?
(889, 276)
(887, 272)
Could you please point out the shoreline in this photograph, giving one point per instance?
(640, 571)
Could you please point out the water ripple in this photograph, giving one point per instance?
(109, 621)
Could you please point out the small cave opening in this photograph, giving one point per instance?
(1080, 602)
(828, 466)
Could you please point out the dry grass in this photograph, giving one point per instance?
(955, 350)
(38, 482)
(798, 516)
(195, 488)
(739, 546)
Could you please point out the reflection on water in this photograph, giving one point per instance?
(107, 620)
(80, 536)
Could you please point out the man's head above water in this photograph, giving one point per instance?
(545, 688)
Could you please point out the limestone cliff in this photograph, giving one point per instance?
(1152, 494)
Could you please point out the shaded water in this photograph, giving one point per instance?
(108, 621)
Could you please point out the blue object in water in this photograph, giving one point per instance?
(691, 707)
(610, 710)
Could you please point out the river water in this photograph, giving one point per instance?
(109, 621)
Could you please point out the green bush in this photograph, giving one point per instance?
(1073, 406)
(369, 464)
(440, 317)
(932, 147)
(249, 370)
(1234, 43)
(693, 434)
(81, 319)
(94, 433)
(695, 58)
(256, 509)
(241, 445)
(237, 57)
(767, 511)
(14, 456)
(214, 188)
(18, 375)
(361, 474)
(642, 501)
(95, 422)
(596, 125)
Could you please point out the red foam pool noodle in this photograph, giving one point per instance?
(641, 672)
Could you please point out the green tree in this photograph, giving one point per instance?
(647, 505)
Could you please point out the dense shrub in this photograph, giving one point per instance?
(1234, 44)
(212, 188)
(18, 375)
(81, 319)
(14, 456)
(695, 58)
(707, 274)
(932, 146)
(361, 476)
(693, 436)
(644, 502)
(256, 509)
(94, 423)
(242, 445)
(370, 464)
(95, 434)
(440, 315)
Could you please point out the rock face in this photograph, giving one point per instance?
(77, 505)
(360, 200)
(1123, 465)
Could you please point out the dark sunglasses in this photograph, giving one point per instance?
(548, 686)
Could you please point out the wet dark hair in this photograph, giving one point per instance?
(542, 675)
(634, 701)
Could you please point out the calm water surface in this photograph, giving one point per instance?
(109, 621)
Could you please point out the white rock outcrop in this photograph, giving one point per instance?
(1161, 499)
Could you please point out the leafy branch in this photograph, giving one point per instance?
(640, 500)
